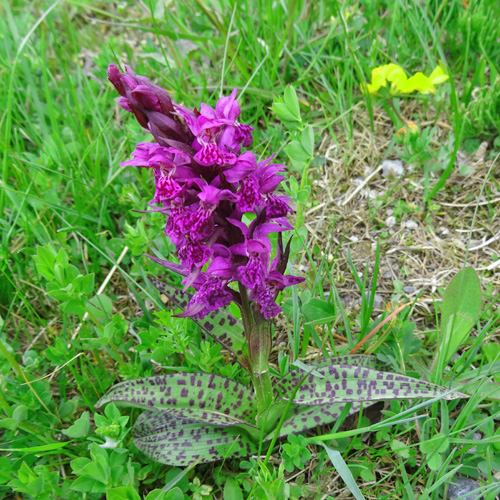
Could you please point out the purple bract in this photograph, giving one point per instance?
(205, 184)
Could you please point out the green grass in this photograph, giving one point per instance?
(62, 139)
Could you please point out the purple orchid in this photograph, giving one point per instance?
(205, 184)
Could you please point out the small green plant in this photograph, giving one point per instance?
(300, 149)
(295, 452)
(65, 282)
(481, 114)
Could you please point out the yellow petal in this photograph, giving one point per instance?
(420, 83)
(397, 77)
(438, 76)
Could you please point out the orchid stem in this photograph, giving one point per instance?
(258, 336)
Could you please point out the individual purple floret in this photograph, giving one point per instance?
(205, 184)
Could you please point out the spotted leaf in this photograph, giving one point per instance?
(220, 325)
(175, 441)
(303, 418)
(346, 383)
(351, 359)
(198, 397)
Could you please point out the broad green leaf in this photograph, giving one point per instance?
(345, 383)
(122, 493)
(303, 194)
(437, 444)
(461, 308)
(100, 306)
(318, 311)
(232, 491)
(307, 140)
(199, 397)
(220, 325)
(291, 101)
(175, 441)
(80, 428)
(175, 494)
(283, 112)
(298, 155)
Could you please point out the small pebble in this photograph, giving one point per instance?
(408, 289)
(411, 224)
(377, 300)
(354, 239)
(392, 168)
(477, 437)
(387, 275)
(390, 221)
(461, 486)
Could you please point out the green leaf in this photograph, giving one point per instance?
(45, 260)
(307, 140)
(175, 441)
(298, 155)
(86, 484)
(461, 308)
(284, 113)
(76, 307)
(174, 494)
(80, 428)
(232, 491)
(319, 311)
(199, 397)
(220, 325)
(37, 449)
(344, 472)
(439, 443)
(123, 493)
(100, 306)
(291, 101)
(303, 194)
(344, 383)
(434, 462)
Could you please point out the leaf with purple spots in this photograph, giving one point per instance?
(197, 397)
(350, 359)
(303, 418)
(220, 325)
(174, 441)
(346, 383)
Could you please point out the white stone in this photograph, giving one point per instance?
(411, 224)
(390, 221)
(392, 168)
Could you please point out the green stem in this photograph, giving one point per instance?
(258, 336)
(300, 206)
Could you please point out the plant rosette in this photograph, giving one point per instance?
(221, 206)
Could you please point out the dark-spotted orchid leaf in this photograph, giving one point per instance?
(303, 418)
(351, 359)
(346, 383)
(199, 397)
(175, 441)
(220, 325)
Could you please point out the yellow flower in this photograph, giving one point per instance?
(400, 83)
